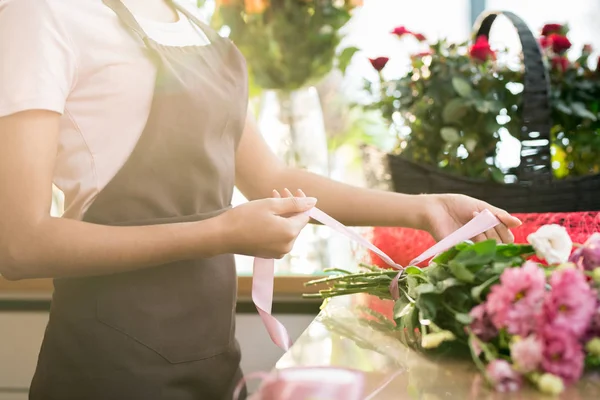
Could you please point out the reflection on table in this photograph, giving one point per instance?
(344, 336)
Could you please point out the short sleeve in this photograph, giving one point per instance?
(37, 61)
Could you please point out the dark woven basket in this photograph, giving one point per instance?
(536, 190)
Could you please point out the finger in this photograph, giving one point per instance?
(492, 234)
(287, 193)
(298, 221)
(505, 234)
(292, 205)
(300, 193)
(480, 238)
(508, 220)
(275, 194)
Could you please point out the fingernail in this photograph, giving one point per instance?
(310, 201)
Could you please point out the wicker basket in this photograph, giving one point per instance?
(536, 190)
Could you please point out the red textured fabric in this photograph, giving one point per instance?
(403, 244)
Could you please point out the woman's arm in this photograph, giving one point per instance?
(258, 171)
(33, 244)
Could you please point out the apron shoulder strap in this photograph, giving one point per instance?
(208, 31)
(127, 18)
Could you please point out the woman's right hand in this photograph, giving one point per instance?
(266, 228)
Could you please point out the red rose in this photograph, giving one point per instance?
(560, 63)
(400, 31)
(422, 54)
(559, 43)
(544, 42)
(481, 50)
(379, 62)
(420, 37)
(549, 29)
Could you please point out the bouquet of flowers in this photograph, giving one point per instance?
(456, 98)
(288, 43)
(524, 312)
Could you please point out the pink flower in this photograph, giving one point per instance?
(527, 354)
(516, 302)
(594, 328)
(503, 377)
(401, 31)
(563, 355)
(588, 256)
(571, 302)
(482, 325)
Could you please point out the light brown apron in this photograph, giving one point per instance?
(166, 332)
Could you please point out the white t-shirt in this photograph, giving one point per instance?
(76, 58)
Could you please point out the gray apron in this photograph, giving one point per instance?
(166, 332)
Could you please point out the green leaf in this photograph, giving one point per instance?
(450, 134)
(455, 110)
(463, 318)
(413, 271)
(478, 290)
(345, 58)
(477, 254)
(462, 86)
(402, 307)
(581, 111)
(461, 272)
(562, 107)
(426, 288)
(428, 305)
(447, 283)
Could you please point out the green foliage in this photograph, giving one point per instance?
(288, 44)
(448, 111)
(443, 293)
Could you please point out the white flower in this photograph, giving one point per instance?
(552, 243)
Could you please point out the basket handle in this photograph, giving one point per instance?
(536, 163)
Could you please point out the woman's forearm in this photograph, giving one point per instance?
(356, 206)
(59, 247)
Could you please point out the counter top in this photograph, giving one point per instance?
(343, 336)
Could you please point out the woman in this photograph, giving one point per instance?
(137, 111)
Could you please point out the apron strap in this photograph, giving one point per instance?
(127, 18)
(212, 35)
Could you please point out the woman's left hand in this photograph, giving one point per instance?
(448, 212)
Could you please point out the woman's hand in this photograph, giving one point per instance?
(448, 212)
(266, 228)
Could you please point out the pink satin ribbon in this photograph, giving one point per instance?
(264, 270)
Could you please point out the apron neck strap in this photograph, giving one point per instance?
(129, 20)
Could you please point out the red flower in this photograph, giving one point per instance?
(422, 54)
(598, 65)
(560, 63)
(559, 43)
(481, 50)
(379, 62)
(420, 37)
(544, 42)
(549, 29)
(400, 31)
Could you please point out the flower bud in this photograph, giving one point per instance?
(593, 347)
(550, 384)
(433, 340)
